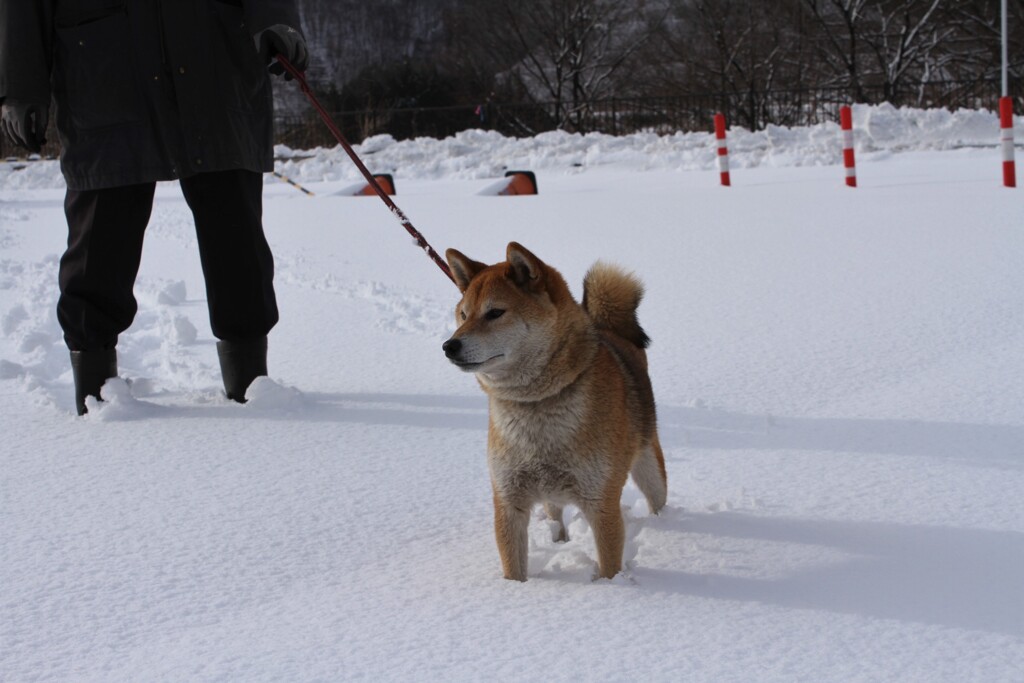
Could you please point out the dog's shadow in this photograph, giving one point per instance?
(944, 576)
(981, 445)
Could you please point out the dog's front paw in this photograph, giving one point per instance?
(622, 578)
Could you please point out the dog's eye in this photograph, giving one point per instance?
(494, 313)
(463, 314)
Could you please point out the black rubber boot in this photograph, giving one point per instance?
(240, 363)
(90, 370)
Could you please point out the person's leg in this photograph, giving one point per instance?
(98, 269)
(237, 263)
(96, 278)
(239, 270)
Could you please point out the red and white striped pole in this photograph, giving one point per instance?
(1006, 126)
(846, 122)
(723, 150)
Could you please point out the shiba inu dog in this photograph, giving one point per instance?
(571, 406)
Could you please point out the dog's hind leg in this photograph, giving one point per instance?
(511, 526)
(609, 532)
(554, 513)
(649, 475)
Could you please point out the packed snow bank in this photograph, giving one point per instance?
(477, 154)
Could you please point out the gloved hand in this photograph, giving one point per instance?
(25, 123)
(283, 40)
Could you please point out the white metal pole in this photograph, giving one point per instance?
(1006, 39)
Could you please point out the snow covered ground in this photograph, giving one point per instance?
(839, 376)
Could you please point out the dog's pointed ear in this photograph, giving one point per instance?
(524, 269)
(463, 268)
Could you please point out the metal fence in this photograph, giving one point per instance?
(618, 116)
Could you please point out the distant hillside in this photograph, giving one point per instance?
(347, 36)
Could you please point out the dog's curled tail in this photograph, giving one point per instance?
(611, 297)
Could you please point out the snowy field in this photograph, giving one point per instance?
(840, 382)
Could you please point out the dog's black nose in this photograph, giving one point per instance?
(451, 347)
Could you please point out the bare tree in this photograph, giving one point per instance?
(565, 52)
(748, 50)
(840, 26)
(741, 51)
(976, 47)
(883, 43)
(906, 41)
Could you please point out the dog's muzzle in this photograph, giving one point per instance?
(452, 348)
(456, 352)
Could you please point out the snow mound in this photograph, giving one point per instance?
(118, 404)
(266, 395)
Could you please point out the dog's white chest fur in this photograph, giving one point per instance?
(536, 455)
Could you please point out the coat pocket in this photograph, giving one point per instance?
(94, 71)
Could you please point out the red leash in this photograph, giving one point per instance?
(421, 242)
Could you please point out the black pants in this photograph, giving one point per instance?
(105, 231)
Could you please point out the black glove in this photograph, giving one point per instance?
(25, 124)
(282, 40)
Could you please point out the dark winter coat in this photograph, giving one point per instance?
(145, 89)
